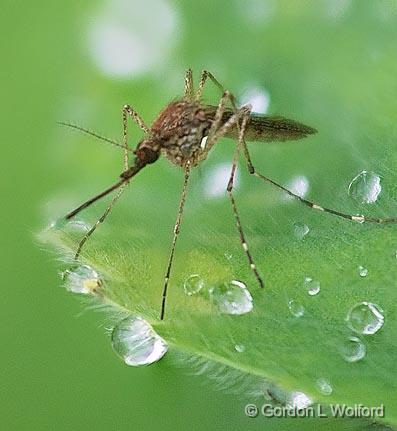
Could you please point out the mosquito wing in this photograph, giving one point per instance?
(265, 128)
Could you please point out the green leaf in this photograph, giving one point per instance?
(130, 251)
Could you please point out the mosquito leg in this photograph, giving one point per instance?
(99, 221)
(189, 88)
(203, 79)
(234, 205)
(243, 115)
(217, 130)
(176, 233)
(127, 110)
(311, 204)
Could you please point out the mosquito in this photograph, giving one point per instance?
(185, 132)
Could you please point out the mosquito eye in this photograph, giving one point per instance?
(146, 155)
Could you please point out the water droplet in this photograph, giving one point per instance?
(362, 271)
(193, 284)
(312, 286)
(239, 348)
(353, 349)
(365, 318)
(301, 230)
(299, 401)
(365, 187)
(324, 386)
(135, 341)
(232, 297)
(73, 226)
(81, 279)
(296, 308)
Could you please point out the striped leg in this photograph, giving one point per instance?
(189, 88)
(203, 79)
(233, 202)
(175, 238)
(313, 205)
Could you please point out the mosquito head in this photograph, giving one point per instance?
(147, 151)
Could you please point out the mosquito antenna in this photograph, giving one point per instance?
(94, 134)
(176, 233)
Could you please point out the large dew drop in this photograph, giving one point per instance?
(232, 298)
(81, 279)
(365, 318)
(135, 341)
(365, 187)
(353, 349)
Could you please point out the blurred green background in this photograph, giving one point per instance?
(331, 64)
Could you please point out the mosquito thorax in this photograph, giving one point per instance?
(181, 128)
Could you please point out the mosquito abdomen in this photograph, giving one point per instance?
(264, 128)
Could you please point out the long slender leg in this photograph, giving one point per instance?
(357, 218)
(311, 204)
(127, 110)
(203, 79)
(176, 233)
(189, 88)
(215, 133)
(234, 205)
(99, 221)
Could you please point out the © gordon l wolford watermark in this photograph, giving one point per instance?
(317, 411)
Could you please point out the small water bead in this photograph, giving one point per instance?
(193, 284)
(312, 286)
(232, 298)
(362, 271)
(365, 187)
(365, 318)
(324, 386)
(135, 341)
(81, 279)
(239, 348)
(353, 349)
(300, 230)
(296, 308)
